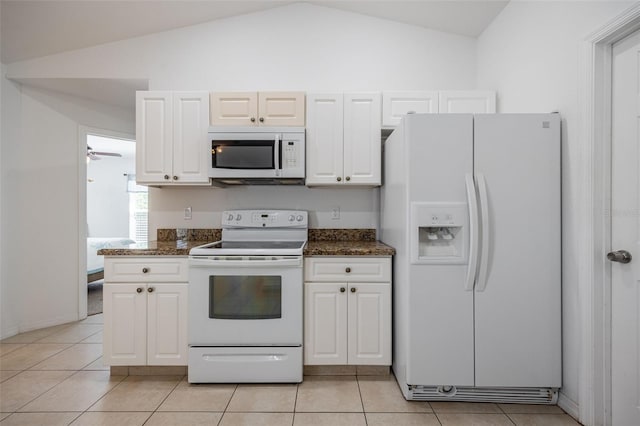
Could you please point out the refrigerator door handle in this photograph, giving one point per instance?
(472, 200)
(484, 253)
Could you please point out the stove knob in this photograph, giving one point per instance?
(291, 218)
(238, 216)
(230, 217)
(299, 218)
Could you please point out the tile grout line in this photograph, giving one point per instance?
(228, 403)
(364, 413)
(164, 399)
(42, 393)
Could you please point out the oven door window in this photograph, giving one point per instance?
(245, 297)
(256, 154)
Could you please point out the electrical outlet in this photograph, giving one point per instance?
(187, 213)
(335, 213)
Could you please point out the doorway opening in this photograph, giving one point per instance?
(116, 208)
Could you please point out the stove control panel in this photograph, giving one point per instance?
(264, 219)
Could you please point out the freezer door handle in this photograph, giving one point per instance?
(472, 201)
(486, 232)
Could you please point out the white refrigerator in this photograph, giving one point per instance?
(471, 204)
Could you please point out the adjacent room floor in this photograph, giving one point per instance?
(55, 376)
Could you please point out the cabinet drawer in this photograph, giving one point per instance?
(146, 269)
(350, 269)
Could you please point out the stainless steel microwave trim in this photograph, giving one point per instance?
(284, 166)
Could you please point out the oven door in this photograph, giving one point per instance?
(245, 155)
(245, 300)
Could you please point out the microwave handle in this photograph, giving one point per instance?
(277, 153)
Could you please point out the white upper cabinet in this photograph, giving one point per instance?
(467, 101)
(171, 138)
(154, 136)
(343, 139)
(397, 104)
(257, 109)
(362, 148)
(325, 138)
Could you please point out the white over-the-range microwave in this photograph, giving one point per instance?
(257, 156)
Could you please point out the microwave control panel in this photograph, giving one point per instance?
(290, 154)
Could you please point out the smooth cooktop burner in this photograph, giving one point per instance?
(240, 248)
(259, 245)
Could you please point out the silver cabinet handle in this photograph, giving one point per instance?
(262, 119)
(145, 270)
(175, 178)
(139, 289)
(253, 119)
(348, 178)
(338, 178)
(342, 289)
(348, 270)
(150, 289)
(166, 177)
(353, 289)
(621, 256)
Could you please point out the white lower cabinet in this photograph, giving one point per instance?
(347, 321)
(145, 319)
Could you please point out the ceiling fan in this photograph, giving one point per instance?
(95, 155)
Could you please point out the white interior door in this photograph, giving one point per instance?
(625, 205)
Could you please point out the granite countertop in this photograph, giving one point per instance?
(322, 242)
(348, 248)
(345, 242)
(154, 248)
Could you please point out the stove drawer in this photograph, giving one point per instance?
(266, 364)
(349, 269)
(146, 269)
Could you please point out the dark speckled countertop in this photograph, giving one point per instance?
(154, 248)
(345, 242)
(322, 242)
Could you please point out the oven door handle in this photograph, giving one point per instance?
(205, 261)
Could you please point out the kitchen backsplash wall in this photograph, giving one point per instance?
(358, 207)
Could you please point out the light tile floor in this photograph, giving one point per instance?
(55, 376)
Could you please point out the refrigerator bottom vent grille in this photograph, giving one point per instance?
(477, 394)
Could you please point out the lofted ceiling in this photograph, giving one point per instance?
(34, 28)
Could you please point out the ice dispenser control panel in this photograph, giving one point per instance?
(439, 233)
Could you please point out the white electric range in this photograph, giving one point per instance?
(245, 300)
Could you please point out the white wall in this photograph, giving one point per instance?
(9, 136)
(40, 196)
(107, 196)
(529, 54)
(297, 47)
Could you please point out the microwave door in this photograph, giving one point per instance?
(241, 157)
(277, 155)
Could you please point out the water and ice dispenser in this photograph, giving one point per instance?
(439, 233)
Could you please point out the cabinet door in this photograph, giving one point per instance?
(325, 325)
(468, 101)
(396, 105)
(154, 137)
(369, 321)
(281, 109)
(191, 152)
(234, 109)
(125, 324)
(362, 139)
(324, 139)
(167, 324)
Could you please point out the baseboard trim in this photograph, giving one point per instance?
(346, 370)
(569, 406)
(38, 325)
